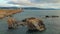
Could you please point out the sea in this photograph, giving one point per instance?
(52, 24)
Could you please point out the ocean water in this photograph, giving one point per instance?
(52, 24)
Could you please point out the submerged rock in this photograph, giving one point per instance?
(55, 16)
(51, 16)
(34, 24)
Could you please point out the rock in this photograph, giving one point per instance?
(6, 12)
(2, 16)
(51, 16)
(47, 16)
(34, 23)
(11, 23)
(54, 16)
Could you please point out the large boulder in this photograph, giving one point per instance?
(34, 24)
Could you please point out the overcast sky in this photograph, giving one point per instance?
(31, 3)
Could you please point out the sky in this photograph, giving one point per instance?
(31, 3)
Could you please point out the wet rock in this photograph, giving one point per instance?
(55, 16)
(47, 16)
(51, 16)
(34, 23)
(11, 23)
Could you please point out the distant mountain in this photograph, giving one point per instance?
(34, 8)
(31, 8)
(27, 8)
(9, 7)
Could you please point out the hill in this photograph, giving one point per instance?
(27, 8)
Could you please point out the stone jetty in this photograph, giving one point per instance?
(8, 12)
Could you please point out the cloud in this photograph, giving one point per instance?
(21, 2)
(37, 3)
(8, 5)
(46, 1)
(32, 3)
(4, 3)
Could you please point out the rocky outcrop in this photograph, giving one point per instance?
(11, 23)
(51, 16)
(6, 12)
(34, 23)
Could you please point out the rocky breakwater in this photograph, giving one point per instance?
(6, 12)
